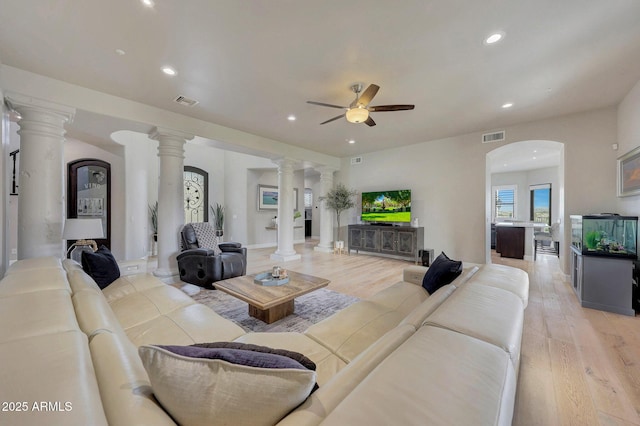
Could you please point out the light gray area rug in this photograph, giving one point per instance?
(309, 309)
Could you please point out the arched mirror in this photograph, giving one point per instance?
(89, 194)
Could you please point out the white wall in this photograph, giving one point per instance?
(447, 177)
(629, 139)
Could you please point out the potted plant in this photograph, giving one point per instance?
(153, 215)
(218, 219)
(339, 199)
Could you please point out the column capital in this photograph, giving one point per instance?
(162, 133)
(326, 170)
(285, 162)
(25, 104)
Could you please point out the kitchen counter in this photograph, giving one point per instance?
(515, 239)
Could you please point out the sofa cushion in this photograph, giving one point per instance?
(505, 277)
(34, 281)
(125, 389)
(130, 284)
(401, 297)
(352, 330)
(436, 377)
(52, 369)
(185, 326)
(441, 272)
(225, 386)
(35, 314)
(101, 266)
(480, 311)
(331, 394)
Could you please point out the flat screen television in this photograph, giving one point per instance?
(386, 206)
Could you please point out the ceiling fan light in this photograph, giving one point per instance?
(357, 115)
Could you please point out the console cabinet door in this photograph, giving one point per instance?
(355, 239)
(371, 240)
(406, 243)
(388, 241)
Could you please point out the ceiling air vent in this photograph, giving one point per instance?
(356, 160)
(184, 101)
(493, 137)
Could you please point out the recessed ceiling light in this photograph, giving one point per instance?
(534, 157)
(120, 52)
(169, 71)
(148, 3)
(507, 105)
(494, 38)
(351, 141)
(291, 117)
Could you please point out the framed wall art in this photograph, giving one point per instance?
(268, 197)
(629, 173)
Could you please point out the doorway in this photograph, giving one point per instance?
(521, 166)
(89, 194)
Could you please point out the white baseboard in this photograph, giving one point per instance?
(267, 245)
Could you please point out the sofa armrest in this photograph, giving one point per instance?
(229, 245)
(232, 249)
(132, 267)
(195, 252)
(414, 274)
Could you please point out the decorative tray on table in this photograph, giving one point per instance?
(266, 278)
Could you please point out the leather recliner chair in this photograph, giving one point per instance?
(202, 267)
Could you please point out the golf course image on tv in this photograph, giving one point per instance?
(386, 206)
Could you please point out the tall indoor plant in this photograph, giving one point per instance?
(339, 199)
(218, 219)
(153, 215)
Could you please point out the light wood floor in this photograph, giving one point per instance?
(578, 366)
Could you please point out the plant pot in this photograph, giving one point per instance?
(219, 232)
(155, 238)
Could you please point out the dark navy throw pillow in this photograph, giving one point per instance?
(441, 272)
(101, 266)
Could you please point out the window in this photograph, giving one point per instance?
(196, 199)
(504, 202)
(540, 205)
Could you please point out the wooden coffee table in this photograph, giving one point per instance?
(270, 303)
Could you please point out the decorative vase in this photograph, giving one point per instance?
(219, 232)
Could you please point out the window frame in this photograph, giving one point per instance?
(494, 199)
(532, 189)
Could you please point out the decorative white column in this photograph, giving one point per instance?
(285, 249)
(326, 214)
(170, 198)
(41, 199)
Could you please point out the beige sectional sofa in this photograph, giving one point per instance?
(68, 351)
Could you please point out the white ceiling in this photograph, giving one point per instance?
(251, 64)
(525, 155)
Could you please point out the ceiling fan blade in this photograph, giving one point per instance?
(326, 105)
(369, 122)
(368, 94)
(333, 119)
(381, 108)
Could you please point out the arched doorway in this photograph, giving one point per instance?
(519, 168)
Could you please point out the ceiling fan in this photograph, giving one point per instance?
(358, 111)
